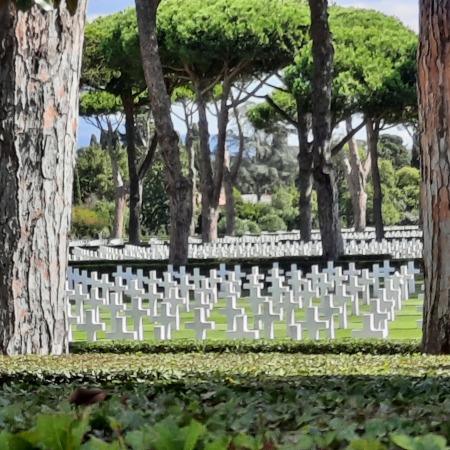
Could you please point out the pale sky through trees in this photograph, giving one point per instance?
(406, 10)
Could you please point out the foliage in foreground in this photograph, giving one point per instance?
(345, 346)
(332, 412)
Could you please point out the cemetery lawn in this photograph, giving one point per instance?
(403, 327)
(229, 401)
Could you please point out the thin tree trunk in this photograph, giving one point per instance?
(327, 195)
(356, 175)
(305, 178)
(211, 183)
(373, 132)
(120, 204)
(230, 176)
(434, 119)
(40, 62)
(206, 173)
(134, 223)
(179, 187)
(120, 194)
(230, 204)
(190, 149)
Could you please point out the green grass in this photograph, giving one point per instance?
(403, 327)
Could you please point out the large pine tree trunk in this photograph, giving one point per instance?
(434, 118)
(327, 194)
(40, 61)
(178, 186)
(373, 133)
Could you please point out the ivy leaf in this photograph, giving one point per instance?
(402, 441)
(192, 434)
(10, 442)
(366, 444)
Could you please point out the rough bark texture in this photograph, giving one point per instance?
(40, 61)
(134, 228)
(327, 195)
(178, 186)
(356, 175)
(373, 133)
(434, 118)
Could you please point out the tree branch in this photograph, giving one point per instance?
(338, 147)
(281, 111)
(146, 163)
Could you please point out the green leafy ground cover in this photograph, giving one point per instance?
(229, 400)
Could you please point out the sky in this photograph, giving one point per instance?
(405, 10)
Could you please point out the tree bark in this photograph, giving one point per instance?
(40, 62)
(121, 191)
(305, 178)
(434, 121)
(207, 181)
(230, 175)
(178, 186)
(134, 223)
(327, 195)
(211, 182)
(356, 174)
(373, 133)
(230, 204)
(190, 149)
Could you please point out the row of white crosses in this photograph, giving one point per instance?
(241, 249)
(307, 305)
(397, 232)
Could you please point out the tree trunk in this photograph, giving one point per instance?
(434, 118)
(190, 149)
(230, 175)
(179, 187)
(373, 132)
(211, 183)
(206, 173)
(134, 223)
(327, 195)
(305, 178)
(356, 175)
(120, 194)
(40, 61)
(120, 204)
(230, 204)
